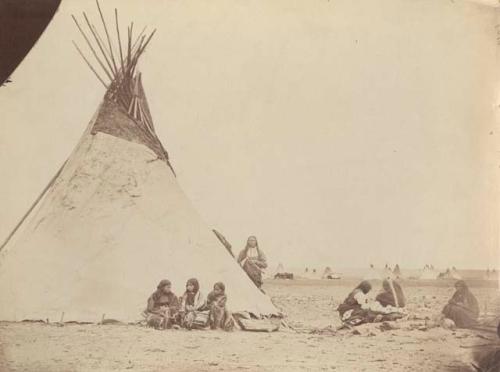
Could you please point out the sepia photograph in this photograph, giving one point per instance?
(266, 185)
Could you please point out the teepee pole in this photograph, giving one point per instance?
(32, 207)
(135, 56)
(94, 33)
(129, 41)
(119, 39)
(137, 40)
(92, 48)
(107, 35)
(90, 66)
(140, 50)
(143, 46)
(94, 29)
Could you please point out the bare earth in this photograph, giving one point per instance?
(413, 344)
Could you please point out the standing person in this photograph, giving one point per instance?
(162, 306)
(194, 313)
(219, 316)
(253, 261)
(463, 307)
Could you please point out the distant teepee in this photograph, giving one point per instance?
(279, 269)
(428, 273)
(114, 221)
(454, 274)
(397, 272)
(450, 274)
(329, 274)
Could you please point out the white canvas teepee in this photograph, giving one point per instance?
(455, 274)
(451, 274)
(113, 223)
(279, 269)
(328, 273)
(397, 272)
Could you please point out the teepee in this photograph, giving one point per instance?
(450, 274)
(279, 269)
(454, 274)
(329, 274)
(397, 272)
(429, 273)
(114, 221)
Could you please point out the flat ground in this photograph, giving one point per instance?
(413, 344)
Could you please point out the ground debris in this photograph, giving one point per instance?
(155, 350)
(388, 326)
(328, 331)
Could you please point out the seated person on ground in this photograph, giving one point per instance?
(162, 306)
(463, 307)
(219, 316)
(391, 295)
(351, 309)
(194, 312)
(359, 307)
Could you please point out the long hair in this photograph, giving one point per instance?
(252, 237)
(388, 285)
(194, 282)
(221, 286)
(163, 283)
(364, 286)
(190, 296)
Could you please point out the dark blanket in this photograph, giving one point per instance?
(253, 271)
(463, 317)
(386, 298)
(463, 309)
(361, 316)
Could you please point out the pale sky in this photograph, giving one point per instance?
(340, 133)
